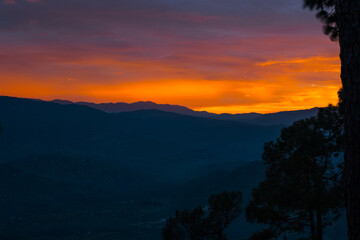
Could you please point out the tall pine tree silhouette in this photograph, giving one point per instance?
(303, 188)
(341, 20)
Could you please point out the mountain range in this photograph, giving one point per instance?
(165, 144)
(279, 118)
(71, 171)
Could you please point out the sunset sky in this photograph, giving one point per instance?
(230, 56)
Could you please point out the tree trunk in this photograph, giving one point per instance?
(319, 226)
(348, 12)
(312, 225)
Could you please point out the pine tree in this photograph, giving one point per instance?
(341, 20)
(303, 189)
(205, 223)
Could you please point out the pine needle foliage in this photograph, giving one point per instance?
(325, 12)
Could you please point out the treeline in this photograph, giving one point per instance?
(302, 193)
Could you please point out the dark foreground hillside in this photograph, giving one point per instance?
(57, 198)
(166, 145)
(73, 172)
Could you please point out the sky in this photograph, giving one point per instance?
(232, 56)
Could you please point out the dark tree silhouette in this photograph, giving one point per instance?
(303, 189)
(341, 20)
(205, 223)
(266, 234)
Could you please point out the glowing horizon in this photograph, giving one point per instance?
(217, 58)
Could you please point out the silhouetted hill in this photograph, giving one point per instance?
(280, 118)
(129, 107)
(60, 204)
(163, 144)
(56, 198)
(199, 189)
(283, 118)
(69, 171)
(86, 172)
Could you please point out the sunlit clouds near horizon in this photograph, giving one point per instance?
(230, 56)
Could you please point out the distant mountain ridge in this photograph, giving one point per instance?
(69, 171)
(279, 118)
(176, 146)
(141, 105)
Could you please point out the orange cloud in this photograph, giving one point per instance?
(301, 99)
(278, 85)
(220, 57)
(227, 75)
(223, 96)
(311, 64)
